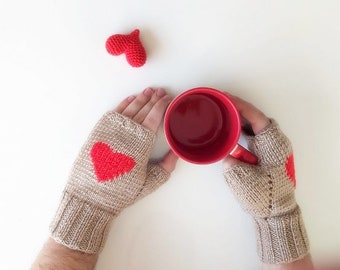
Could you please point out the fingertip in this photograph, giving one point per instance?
(123, 105)
(160, 92)
(148, 92)
(171, 154)
(169, 161)
(130, 98)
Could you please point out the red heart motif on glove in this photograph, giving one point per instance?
(290, 169)
(109, 164)
(130, 45)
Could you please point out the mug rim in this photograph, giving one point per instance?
(226, 101)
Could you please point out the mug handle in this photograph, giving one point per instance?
(244, 155)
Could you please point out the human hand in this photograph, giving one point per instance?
(266, 191)
(112, 171)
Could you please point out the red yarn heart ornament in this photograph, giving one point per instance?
(130, 45)
(290, 169)
(109, 164)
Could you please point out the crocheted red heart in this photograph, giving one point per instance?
(130, 45)
(109, 164)
(290, 169)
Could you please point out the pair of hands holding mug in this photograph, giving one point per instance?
(113, 170)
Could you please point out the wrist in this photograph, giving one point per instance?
(80, 225)
(282, 239)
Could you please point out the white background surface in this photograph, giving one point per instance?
(56, 80)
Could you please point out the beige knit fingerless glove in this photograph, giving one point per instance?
(266, 191)
(110, 173)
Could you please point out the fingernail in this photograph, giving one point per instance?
(130, 98)
(148, 91)
(160, 92)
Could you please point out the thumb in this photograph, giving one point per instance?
(230, 161)
(169, 162)
(158, 173)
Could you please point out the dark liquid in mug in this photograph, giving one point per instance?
(199, 125)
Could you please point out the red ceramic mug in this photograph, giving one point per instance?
(203, 126)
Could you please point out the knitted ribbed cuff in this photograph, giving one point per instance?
(80, 225)
(282, 239)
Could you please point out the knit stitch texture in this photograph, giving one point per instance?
(130, 45)
(266, 191)
(89, 203)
